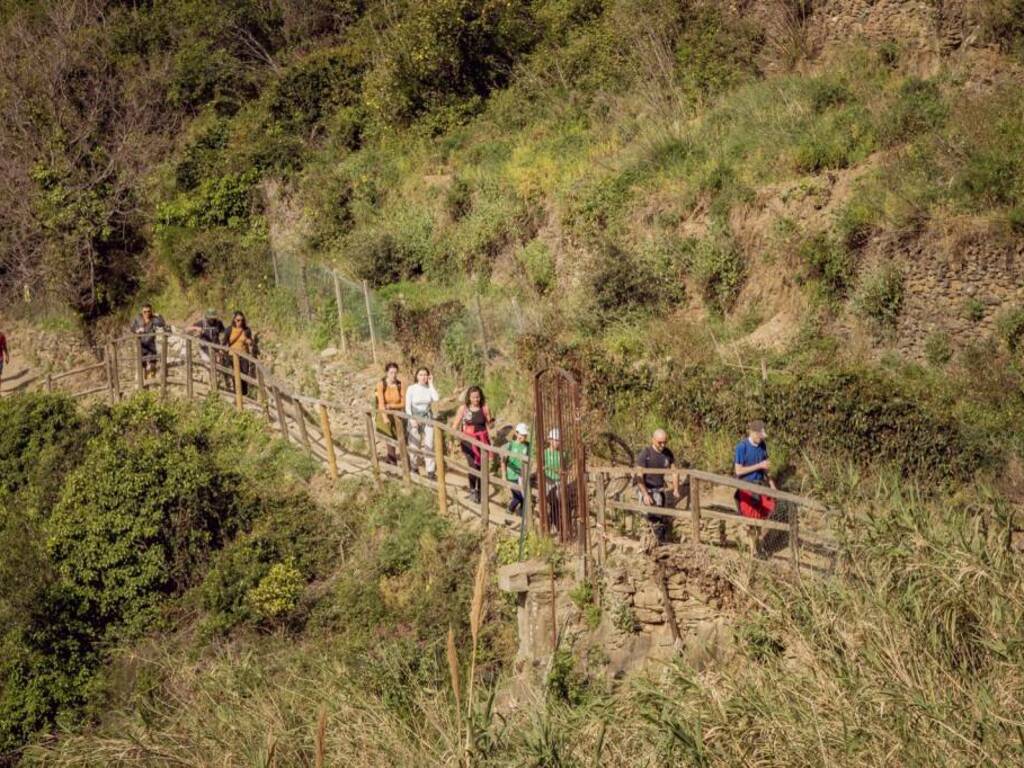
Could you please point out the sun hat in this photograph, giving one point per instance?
(522, 429)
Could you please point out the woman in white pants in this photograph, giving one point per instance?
(419, 404)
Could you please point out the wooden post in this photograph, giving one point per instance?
(264, 397)
(695, 508)
(49, 382)
(403, 449)
(325, 427)
(764, 370)
(371, 442)
(212, 354)
(236, 370)
(602, 511)
(341, 313)
(189, 391)
(108, 358)
(139, 372)
(300, 415)
(794, 537)
(282, 417)
(369, 319)
(485, 488)
(116, 366)
(163, 364)
(442, 487)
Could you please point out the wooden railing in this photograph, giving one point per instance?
(198, 368)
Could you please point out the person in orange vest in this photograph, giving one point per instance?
(390, 397)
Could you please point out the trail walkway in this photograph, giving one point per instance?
(345, 439)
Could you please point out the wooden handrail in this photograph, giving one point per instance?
(317, 436)
(715, 479)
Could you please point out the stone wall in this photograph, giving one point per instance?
(956, 282)
(633, 627)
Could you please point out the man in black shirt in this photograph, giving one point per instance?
(652, 487)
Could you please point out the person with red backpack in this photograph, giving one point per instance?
(390, 397)
(474, 420)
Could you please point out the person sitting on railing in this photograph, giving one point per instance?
(389, 397)
(145, 326)
(512, 467)
(208, 328)
(474, 419)
(238, 338)
(651, 488)
(752, 466)
(419, 404)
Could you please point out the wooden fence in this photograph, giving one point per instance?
(195, 368)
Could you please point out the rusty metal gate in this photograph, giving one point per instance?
(562, 471)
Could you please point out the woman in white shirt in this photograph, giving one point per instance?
(419, 404)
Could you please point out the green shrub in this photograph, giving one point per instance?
(938, 349)
(1001, 22)
(837, 140)
(918, 108)
(304, 94)
(224, 201)
(1010, 327)
(461, 349)
(718, 266)
(827, 93)
(974, 309)
(879, 296)
(458, 200)
(137, 516)
(620, 282)
(445, 57)
(278, 592)
(714, 53)
(828, 262)
(871, 418)
(858, 219)
(203, 73)
(539, 264)
(41, 437)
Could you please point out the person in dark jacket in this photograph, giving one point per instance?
(146, 325)
(652, 489)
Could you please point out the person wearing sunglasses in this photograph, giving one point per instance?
(145, 326)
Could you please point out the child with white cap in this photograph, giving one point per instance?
(512, 466)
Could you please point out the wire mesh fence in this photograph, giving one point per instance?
(344, 313)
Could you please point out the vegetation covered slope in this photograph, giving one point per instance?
(304, 614)
(629, 186)
(147, 528)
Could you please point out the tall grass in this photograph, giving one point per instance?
(914, 656)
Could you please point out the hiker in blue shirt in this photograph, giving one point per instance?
(751, 465)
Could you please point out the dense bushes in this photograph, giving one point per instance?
(107, 514)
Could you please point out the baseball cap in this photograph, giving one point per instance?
(522, 429)
(554, 434)
(757, 426)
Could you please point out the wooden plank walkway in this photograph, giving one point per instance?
(193, 369)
